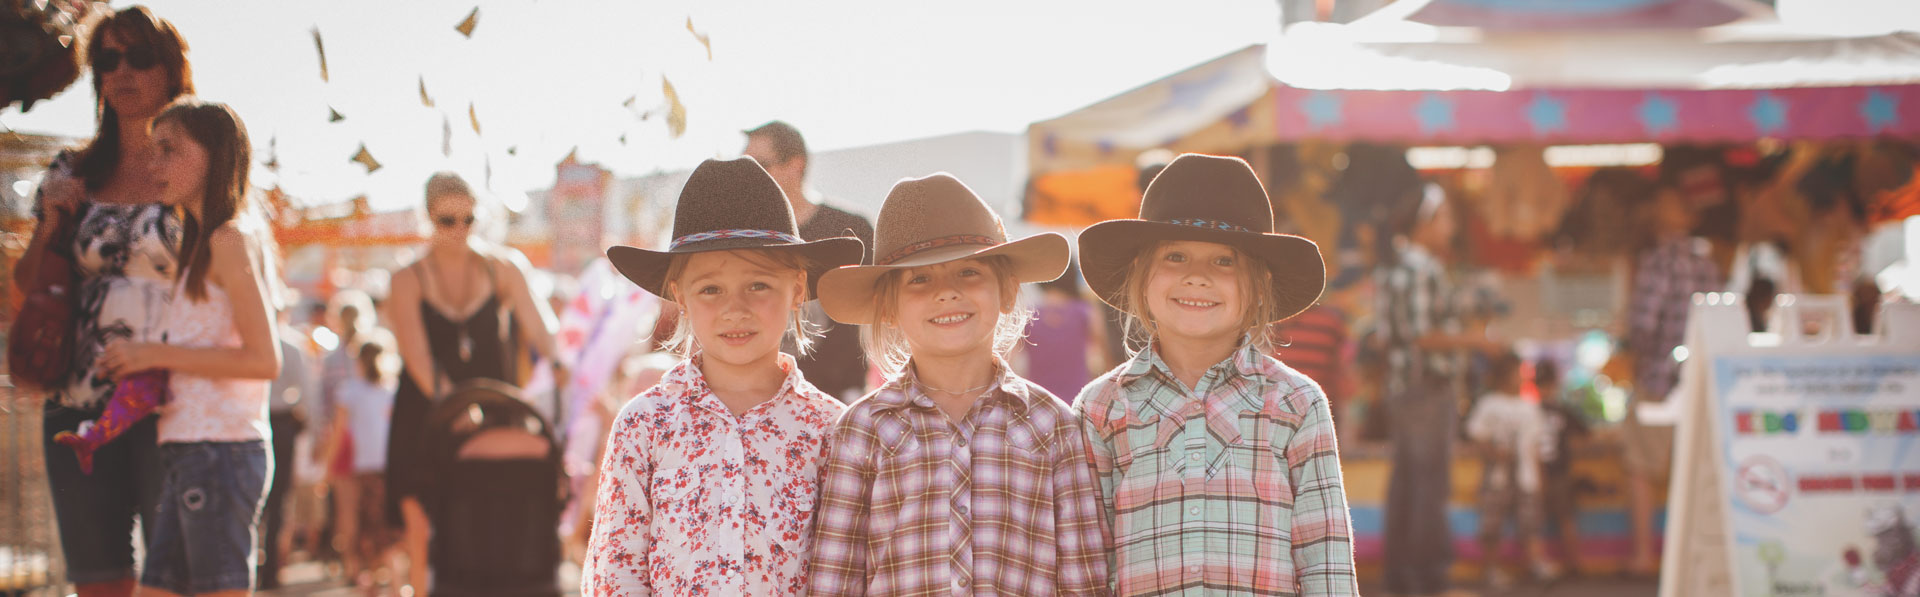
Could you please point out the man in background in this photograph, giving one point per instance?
(837, 366)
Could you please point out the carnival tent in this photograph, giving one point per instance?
(1573, 72)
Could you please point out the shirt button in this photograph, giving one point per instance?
(961, 509)
(1195, 456)
(1193, 569)
(733, 498)
(962, 443)
(959, 584)
(1194, 510)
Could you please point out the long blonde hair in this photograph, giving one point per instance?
(887, 346)
(1256, 290)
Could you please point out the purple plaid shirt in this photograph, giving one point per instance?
(1000, 503)
(1663, 288)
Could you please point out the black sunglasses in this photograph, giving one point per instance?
(138, 57)
(451, 221)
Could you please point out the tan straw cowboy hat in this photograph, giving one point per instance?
(933, 220)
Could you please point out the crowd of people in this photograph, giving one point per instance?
(822, 405)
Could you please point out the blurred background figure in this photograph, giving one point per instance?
(1066, 341)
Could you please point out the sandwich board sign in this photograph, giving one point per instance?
(1797, 455)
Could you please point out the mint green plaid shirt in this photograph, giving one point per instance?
(1228, 488)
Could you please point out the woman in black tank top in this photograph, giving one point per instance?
(456, 314)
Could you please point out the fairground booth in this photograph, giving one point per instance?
(1550, 126)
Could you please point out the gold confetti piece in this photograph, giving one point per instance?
(473, 117)
(334, 115)
(425, 100)
(321, 48)
(704, 40)
(676, 112)
(466, 25)
(365, 158)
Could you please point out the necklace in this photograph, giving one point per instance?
(956, 393)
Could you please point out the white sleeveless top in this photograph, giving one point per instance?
(207, 409)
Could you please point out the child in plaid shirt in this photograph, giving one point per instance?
(956, 477)
(1217, 464)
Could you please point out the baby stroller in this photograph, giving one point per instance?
(495, 492)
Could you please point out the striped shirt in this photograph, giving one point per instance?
(1001, 503)
(1315, 343)
(1230, 488)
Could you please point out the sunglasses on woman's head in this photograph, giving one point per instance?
(451, 221)
(138, 57)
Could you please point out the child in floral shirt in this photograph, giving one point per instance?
(708, 482)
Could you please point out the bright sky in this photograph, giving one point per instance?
(548, 76)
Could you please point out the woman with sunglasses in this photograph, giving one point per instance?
(124, 248)
(455, 315)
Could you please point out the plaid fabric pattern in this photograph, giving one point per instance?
(1232, 488)
(694, 500)
(1413, 299)
(1002, 503)
(1663, 288)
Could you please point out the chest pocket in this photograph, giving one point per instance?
(1257, 464)
(678, 506)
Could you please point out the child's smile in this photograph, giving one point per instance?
(1193, 290)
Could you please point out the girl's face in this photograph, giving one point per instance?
(951, 309)
(452, 219)
(739, 308)
(1193, 291)
(179, 166)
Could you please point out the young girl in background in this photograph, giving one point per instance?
(957, 477)
(221, 351)
(1217, 464)
(708, 478)
(362, 414)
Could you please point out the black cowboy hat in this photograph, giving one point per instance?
(729, 205)
(1211, 199)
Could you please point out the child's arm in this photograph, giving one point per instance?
(1092, 408)
(617, 552)
(838, 559)
(1322, 536)
(1079, 536)
(235, 269)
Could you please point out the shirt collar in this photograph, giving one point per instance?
(699, 395)
(903, 390)
(1219, 406)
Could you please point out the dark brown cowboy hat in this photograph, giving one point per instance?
(728, 205)
(933, 220)
(1211, 199)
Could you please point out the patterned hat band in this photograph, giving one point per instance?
(739, 233)
(945, 241)
(1213, 224)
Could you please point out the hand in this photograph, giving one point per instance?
(122, 358)
(61, 193)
